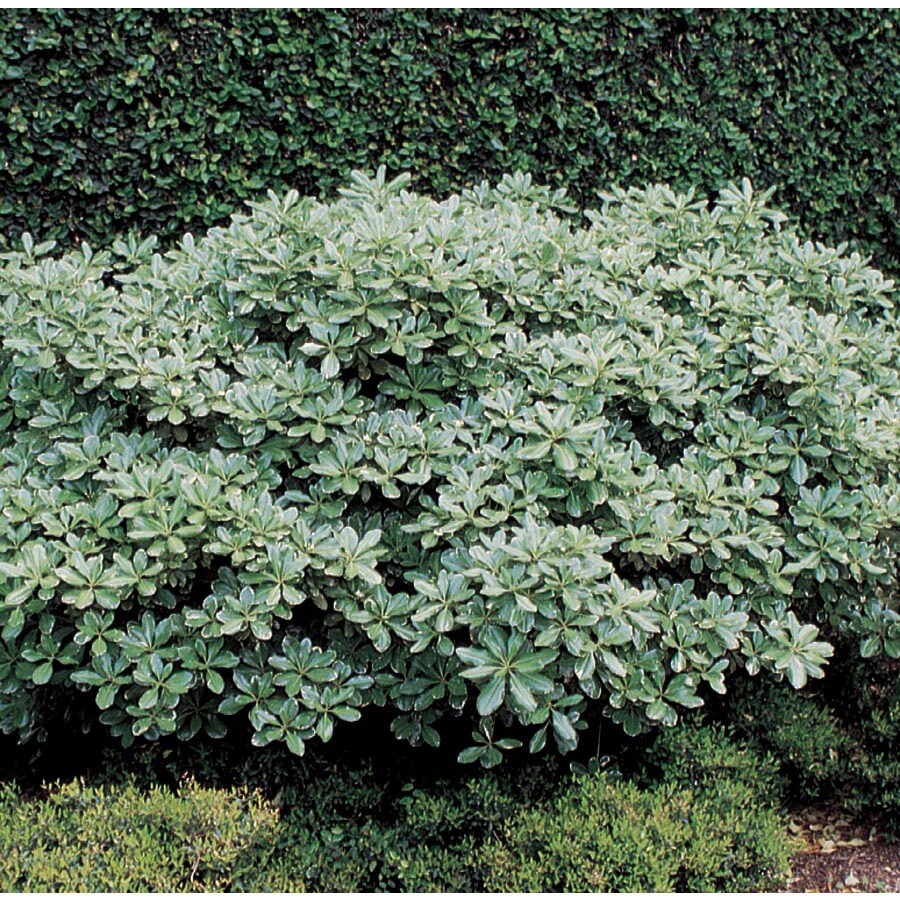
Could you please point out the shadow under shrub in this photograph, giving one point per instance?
(837, 741)
(699, 755)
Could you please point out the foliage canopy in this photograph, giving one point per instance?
(469, 457)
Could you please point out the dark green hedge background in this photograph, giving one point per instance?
(166, 120)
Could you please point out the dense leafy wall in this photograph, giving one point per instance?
(164, 120)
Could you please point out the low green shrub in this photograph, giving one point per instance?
(442, 828)
(464, 457)
(801, 732)
(839, 741)
(350, 832)
(91, 839)
(699, 755)
(613, 837)
(870, 709)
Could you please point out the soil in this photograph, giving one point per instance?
(841, 854)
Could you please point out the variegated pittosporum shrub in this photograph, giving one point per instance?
(478, 457)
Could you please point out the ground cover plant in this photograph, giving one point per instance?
(164, 120)
(482, 461)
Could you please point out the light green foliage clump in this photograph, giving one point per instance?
(479, 455)
(93, 839)
(613, 837)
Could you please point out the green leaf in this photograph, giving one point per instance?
(42, 673)
(491, 695)
(471, 754)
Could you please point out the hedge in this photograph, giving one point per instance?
(344, 830)
(166, 120)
